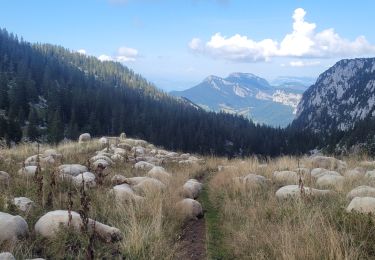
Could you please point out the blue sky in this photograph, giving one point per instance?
(177, 43)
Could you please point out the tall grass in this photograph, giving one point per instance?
(255, 225)
(150, 228)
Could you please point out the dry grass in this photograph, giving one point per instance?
(250, 223)
(258, 226)
(150, 228)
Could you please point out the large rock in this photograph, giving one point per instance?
(328, 163)
(252, 180)
(83, 138)
(12, 228)
(143, 166)
(149, 186)
(23, 203)
(72, 169)
(192, 188)
(329, 181)
(160, 174)
(294, 191)
(189, 209)
(6, 256)
(361, 191)
(88, 178)
(103, 141)
(124, 192)
(362, 205)
(49, 224)
(317, 174)
(27, 171)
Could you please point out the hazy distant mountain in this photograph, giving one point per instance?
(248, 95)
(296, 84)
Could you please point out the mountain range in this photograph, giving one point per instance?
(342, 96)
(251, 96)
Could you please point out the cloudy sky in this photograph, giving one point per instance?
(177, 43)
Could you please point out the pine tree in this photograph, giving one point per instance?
(55, 128)
(32, 131)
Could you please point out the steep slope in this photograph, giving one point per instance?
(342, 96)
(247, 95)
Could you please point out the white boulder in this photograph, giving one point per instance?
(149, 186)
(160, 174)
(124, 192)
(191, 188)
(24, 204)
(327, 181)
(88, 178)
(103, 141)
(83, 138)
(361, 191)
(362, 205)
(6, 256)
(294, 191)
(27, 171)
(12, 228)
(146, 166)
(72, 169)
(49, 223)
(189, 209)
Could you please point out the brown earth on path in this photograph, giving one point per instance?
(193, 240)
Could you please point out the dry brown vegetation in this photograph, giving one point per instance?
(150, 228)
(242, 222)
(258, 226)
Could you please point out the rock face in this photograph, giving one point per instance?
(12, 228)
(342, 96)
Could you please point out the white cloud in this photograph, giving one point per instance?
(104, 57)
(302, 42)
(300, 63)
(82, 51)
(124, 54)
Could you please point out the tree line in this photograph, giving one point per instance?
(48, 93)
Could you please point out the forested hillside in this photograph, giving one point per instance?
(48, 93)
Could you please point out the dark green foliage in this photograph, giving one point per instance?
(73, 93)
(32, 131)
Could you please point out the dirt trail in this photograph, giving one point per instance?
(193, 238)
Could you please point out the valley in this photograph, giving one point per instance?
(250, 96)
(187, 130)
(250, 208)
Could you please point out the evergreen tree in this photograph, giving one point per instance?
(55, 129)
(32, 131)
